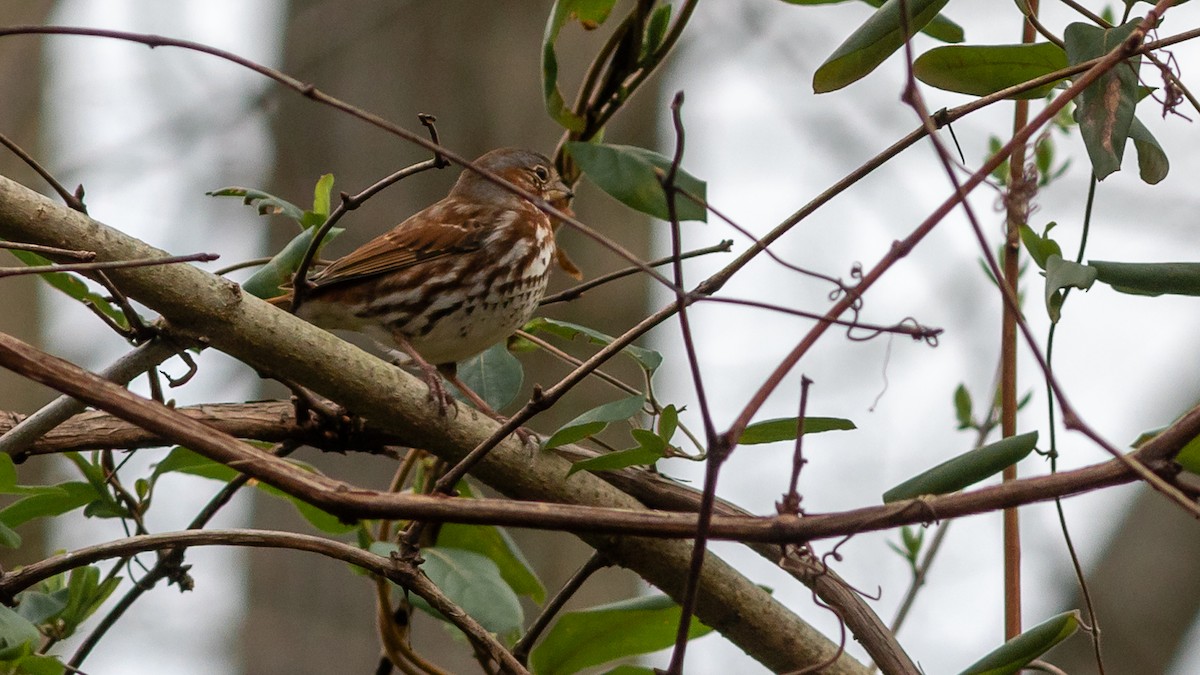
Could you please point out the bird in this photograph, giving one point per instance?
(453, 279)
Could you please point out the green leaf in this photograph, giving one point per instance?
(1000, 173)
(591, 637)
(266, 204)
(1032, 644)
(1043, 156)
(1040, 247)
(1153, 164)
(269, 205)
(656, 30)
(183, 460)
(940, 28)
(648, 440)
(966, 469)
(650, 449)
(8, 474)
(784, 429)
(105, 505)
(1105, 109)
(15, 632)
(1062, 274)
(39, 607)
(270, 279)
(668, 422)
(1025, 400)
(872, 43)
(590, 14)
(47, 502)
(1149, 278)
(37, 664)
(495, 374)
(1189, 456)
(962, 407)
(595, 420)
(913, 538)
(648, 359)
(980, 70)
(85, 594)
(632, 176)
(320, 209)
(73, 286)
(472, 581)
(496, 543)
(106, 508)
(615, 461)
(9, 537)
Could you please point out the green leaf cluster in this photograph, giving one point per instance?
(54, 609)
(272, 278)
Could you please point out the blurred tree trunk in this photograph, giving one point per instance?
(475, 66)
(1145, 590)
(20, 117)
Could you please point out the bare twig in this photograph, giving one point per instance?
(594, 564)
(48, 250)
(575, 291)
(75, 201)
(717, 451)
(907, 327)
(791, 499)
(107, 265)
(575, 362)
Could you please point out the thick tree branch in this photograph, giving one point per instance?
(273, 421)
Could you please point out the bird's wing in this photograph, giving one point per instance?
(447, 228)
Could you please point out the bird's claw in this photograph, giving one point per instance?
(438, 393)
(528, 438)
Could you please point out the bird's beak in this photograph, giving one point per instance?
(558, 194)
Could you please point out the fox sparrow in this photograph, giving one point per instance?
(453, 279)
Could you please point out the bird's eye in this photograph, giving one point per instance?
(542, 173)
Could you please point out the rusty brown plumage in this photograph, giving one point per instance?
(454, 278)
